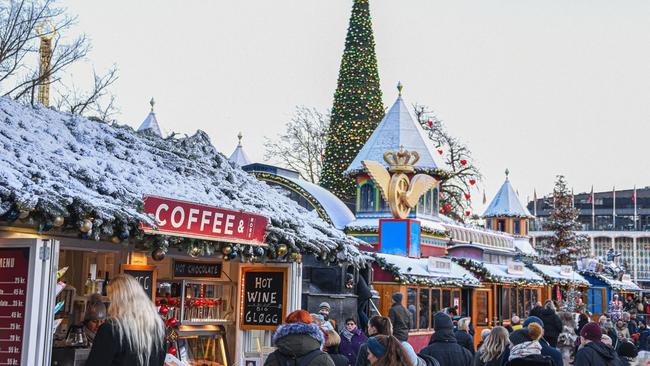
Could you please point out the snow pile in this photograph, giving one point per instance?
(57, 163)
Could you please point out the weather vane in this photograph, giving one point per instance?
(401, 193)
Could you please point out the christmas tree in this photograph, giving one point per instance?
(565, 247)
(357, 106)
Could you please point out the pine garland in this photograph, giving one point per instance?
(407, 279)
(485, 275)
(358, 106)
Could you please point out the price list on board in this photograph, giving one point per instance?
(14, 268)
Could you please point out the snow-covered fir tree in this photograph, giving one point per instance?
(565, 247)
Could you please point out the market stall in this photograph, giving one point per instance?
(563, 282)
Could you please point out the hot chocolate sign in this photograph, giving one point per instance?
(194, 220)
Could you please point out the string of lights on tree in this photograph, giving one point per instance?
(358, 106)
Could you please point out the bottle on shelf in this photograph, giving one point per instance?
(105, 284)
(89, 286)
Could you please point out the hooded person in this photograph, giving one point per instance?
(628, 353)
(400, 318)
(443, 346)
(552, 323)
(298, 342)
(526, 349)
(95, 316)
(593, 352)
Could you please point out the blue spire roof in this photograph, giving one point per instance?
(398, 128)
(239, 155)
(506, 203)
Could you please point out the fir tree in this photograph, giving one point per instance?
(565, 247)
(358, 107)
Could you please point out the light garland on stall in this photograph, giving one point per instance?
(407, 279)
(485, 275)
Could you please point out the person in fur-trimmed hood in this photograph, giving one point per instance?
(298, 343)
(526, 349)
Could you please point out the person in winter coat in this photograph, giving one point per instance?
(484, 334)
(400, 318)
(298, 341)
(364, 294)
(351, 340)
(622, 332)
(332, 343)
(547, 350)
(552, 323)
(462, 335)
(592, 351)
(515, 324)
(492, 352)
(536, 310)
(526, 349)
(566, 342)
(377, 325)
(583, 319)
(443, 346)
(627, 352)
(608, 329)
(615, 308)
(644, 333)
(387, 351)
(134, 333)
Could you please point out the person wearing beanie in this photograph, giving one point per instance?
(627, 351)
(443, 346)
(324, 310)
(593, 351)
(299, 341)
(95, 316)
(526, 349)
(400, 318)
(547, 350)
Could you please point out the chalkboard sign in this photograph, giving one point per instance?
(263, 298)
(14, 266)
(145, 275)
(204, 270)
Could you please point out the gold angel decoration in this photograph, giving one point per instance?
(401, 193)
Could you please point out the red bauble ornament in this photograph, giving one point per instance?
(157, 302)
(164, 309)
(468, 196)
(446, 207)
(439, 151)
(463, 162)
(439, 194)
(172, 350)
(467, 213)
(172, 322)
(442, 211)
(430, 123)
(472, 181)
(172, 302)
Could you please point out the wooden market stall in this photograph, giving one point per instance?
(560, 281)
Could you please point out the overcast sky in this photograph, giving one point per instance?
(539, 87)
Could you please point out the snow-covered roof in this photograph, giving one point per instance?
(336, 210)
(555, 273)
(372, 223)
(239, 156)
(151, 123)
(615, 284)
(501, 271)
(57, 164)
(418, 267)
(397, 128)
(522, 244)
(506, 203)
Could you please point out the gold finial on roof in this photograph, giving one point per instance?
(239, 136)
(399, 88)
(507, 173)
(152, 102)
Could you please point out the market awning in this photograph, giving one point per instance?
(425, 271)
(555, 275)
(515, 273)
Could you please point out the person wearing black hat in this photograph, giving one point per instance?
(443, 346)
(400, 318)
(95, 316)
(593, 352)
(627, 351)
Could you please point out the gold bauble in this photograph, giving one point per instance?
(158, 254)
(226, 250)
(115, 240)
(293, 256)
(86, 226)
(282, 250)
(58, 221)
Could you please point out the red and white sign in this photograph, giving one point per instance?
(193, 220)
(14, 266)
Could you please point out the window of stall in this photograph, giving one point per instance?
(455, 299)
(412, 304)
(506, 310)
(424, 309)
(446, 298)
(482, 305)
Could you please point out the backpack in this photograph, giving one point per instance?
(300, 361)
(429, 360)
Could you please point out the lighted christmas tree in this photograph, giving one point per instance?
(358, 107)
(565, 247)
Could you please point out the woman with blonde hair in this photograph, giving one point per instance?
(134, 333)
(492, 352)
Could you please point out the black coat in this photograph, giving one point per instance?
(464, 339)
(401, 319)
(362, 356)
(531, 360)
(552, 326)
(339, 359)
(596, 354)
(495, 362)
(107, 350)
(444, 348)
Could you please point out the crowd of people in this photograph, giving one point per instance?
(546, 337)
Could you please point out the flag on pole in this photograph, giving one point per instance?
(484, 198)
(573, 199)
(634, 200)
(591, 195)
(593, 208)
(534, 202)
(614, 208)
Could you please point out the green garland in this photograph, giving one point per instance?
(407, 279)
(552, 281)
(485, 275)
(351, 230)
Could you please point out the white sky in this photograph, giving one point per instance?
(539, 87)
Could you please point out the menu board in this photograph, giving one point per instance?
(205, 270)
(145, 275)
(263, 298)
(14, 266)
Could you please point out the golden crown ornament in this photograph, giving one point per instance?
(400, 192)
